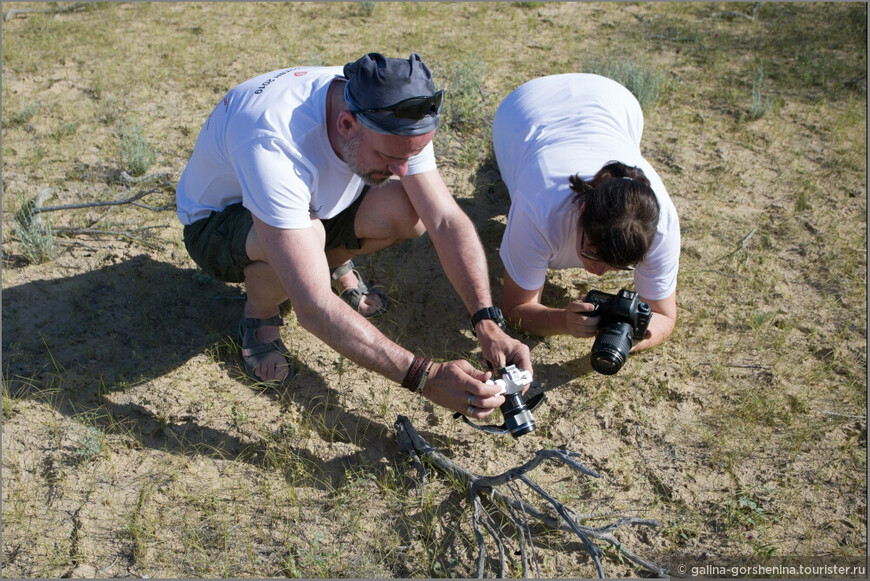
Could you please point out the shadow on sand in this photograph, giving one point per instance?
(73, 342)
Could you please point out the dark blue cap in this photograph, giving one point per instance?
(376, 83)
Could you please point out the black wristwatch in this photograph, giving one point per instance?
(492, 313)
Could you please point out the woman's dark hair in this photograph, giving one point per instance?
(621, 213)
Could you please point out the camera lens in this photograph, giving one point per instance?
(517, 417)
(610, 349)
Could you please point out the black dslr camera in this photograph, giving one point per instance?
(624, 318)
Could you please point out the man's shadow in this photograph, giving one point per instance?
(110, 327)
(78, 342)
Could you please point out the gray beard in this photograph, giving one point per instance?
(350, 153)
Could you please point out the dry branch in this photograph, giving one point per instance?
(30, 213)
(57, 10)
(36, 209)
(741, 246)
(510, 507)
(729, 13)
(129, 180)
(122, 233)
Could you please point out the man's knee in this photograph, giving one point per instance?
(418, 229)
(407, 224)
(414, 227)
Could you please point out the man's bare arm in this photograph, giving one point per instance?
(298, 259)
(464, 261)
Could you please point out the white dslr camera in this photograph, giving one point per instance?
(517, 417)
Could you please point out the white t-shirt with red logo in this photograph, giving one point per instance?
(265, 144)
(549, 129)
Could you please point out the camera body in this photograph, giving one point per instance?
(517, 417)
(624, 319)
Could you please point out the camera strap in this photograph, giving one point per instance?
(533, 398)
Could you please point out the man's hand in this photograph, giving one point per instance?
(501, 349)
(450, 384)
(578, 321)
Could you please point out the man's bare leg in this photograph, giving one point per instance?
(385, 217)
(264, 295)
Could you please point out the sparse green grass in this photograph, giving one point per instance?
(760, 104)
(89, 445)
(8, 402)
(66, 130)
(464, 96)
(368, 8)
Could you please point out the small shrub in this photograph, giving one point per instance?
(759, 105)
(8, 407)
(314, 59)
(66, 130)
(23, 116)
(89, 445)
(464, 100)
(136, 155)
(368, 8)
(37, 239)
(644, 83)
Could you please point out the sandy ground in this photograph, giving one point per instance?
(738, 445)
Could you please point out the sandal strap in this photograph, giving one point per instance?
(353, 297)
(247, 328)
(260, 350)
(250, 324)
(342, 270)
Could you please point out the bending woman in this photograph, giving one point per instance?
(582, 196)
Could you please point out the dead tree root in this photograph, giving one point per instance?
(514, 510)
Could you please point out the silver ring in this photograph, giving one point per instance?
(470, 410)
(470, 398)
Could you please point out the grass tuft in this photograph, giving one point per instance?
(136, 154)
(36, 238)
(759, 105)
(66, 130)
(368, 8)
(89, 445)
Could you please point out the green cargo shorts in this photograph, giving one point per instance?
(217, 243)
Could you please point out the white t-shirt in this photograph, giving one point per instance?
(549, 129)
(266, 145)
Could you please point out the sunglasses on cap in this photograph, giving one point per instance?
(411, 108)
